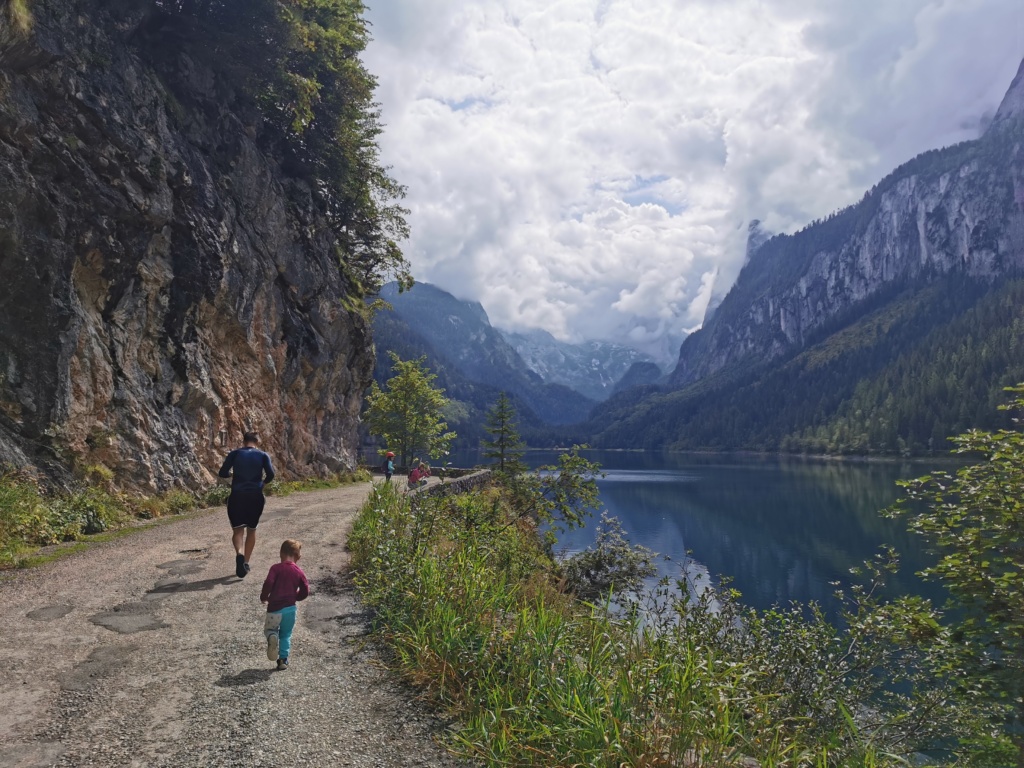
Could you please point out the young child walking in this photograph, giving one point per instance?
(286, 584)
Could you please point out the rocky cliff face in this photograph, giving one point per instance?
(164, 285)
(954, 211)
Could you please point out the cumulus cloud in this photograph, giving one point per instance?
(589, 166)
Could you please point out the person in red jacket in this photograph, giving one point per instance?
(418, 476)
(285, 585)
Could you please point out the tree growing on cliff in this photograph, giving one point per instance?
(297, 62)
(408, 415)
(505, 445)
(975, 520)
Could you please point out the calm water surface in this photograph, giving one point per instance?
(782, 529)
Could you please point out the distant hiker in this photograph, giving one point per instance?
(286, 584)
(418, 476)
(389, 466)
(249, 469)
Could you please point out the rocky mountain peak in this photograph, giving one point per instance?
(1012, 105)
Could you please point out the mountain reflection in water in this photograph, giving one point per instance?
(782, 529)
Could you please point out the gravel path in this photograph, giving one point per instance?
(148, 651)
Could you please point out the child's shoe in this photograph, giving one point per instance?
(273, 645)
(282, 663)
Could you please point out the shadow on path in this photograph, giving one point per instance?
(245, 677)
(190, 586)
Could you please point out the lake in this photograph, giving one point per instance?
(782, 528)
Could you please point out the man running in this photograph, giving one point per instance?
(249, 469)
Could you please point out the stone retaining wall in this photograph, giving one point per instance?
(456, 485)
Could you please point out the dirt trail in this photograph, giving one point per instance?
(148, 651)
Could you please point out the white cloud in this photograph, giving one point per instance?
(589, 166)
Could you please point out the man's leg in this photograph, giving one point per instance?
(238, 542)
(250, 542)
(254, 509)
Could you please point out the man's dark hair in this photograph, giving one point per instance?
(250, 437)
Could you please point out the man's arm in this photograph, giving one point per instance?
(268, 468)
(225, 468)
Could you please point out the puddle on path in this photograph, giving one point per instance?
(100, 663)
(128, 618)
(183, 567)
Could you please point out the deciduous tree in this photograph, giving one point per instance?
(408, 414)
(974, 517)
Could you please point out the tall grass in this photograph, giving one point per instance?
(288, 487)
(469, 603)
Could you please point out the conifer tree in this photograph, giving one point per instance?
(505, 444)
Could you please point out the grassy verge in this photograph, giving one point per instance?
(32, 521)
(468, 598)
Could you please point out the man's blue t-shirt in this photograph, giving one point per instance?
(252, 468)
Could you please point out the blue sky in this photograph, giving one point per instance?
(590, 166)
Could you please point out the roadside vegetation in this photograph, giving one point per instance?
(31, 517)
(570, 663)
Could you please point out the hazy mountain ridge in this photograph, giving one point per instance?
(592, 368)
(478, 363)
(640, 374)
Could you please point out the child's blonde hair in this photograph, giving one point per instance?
(291, 548)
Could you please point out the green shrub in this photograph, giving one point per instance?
(611, 565)
(148, 507)
(217, 496)
(360, 475)
(20, 16)
(93, 509)
(179, 502)
(24, 517)
(288, 487)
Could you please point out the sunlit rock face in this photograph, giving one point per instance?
(958, 210)
(164, 285)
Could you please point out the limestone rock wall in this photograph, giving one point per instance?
(957, 211)
(163, 284)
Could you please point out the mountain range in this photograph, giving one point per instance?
(592, 368)
(471, 358)
(884, 328)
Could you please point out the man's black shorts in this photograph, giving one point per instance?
(245, 508)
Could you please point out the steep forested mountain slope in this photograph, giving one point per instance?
(886, 327)
(925, 365)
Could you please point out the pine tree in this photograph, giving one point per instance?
(505, 444)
